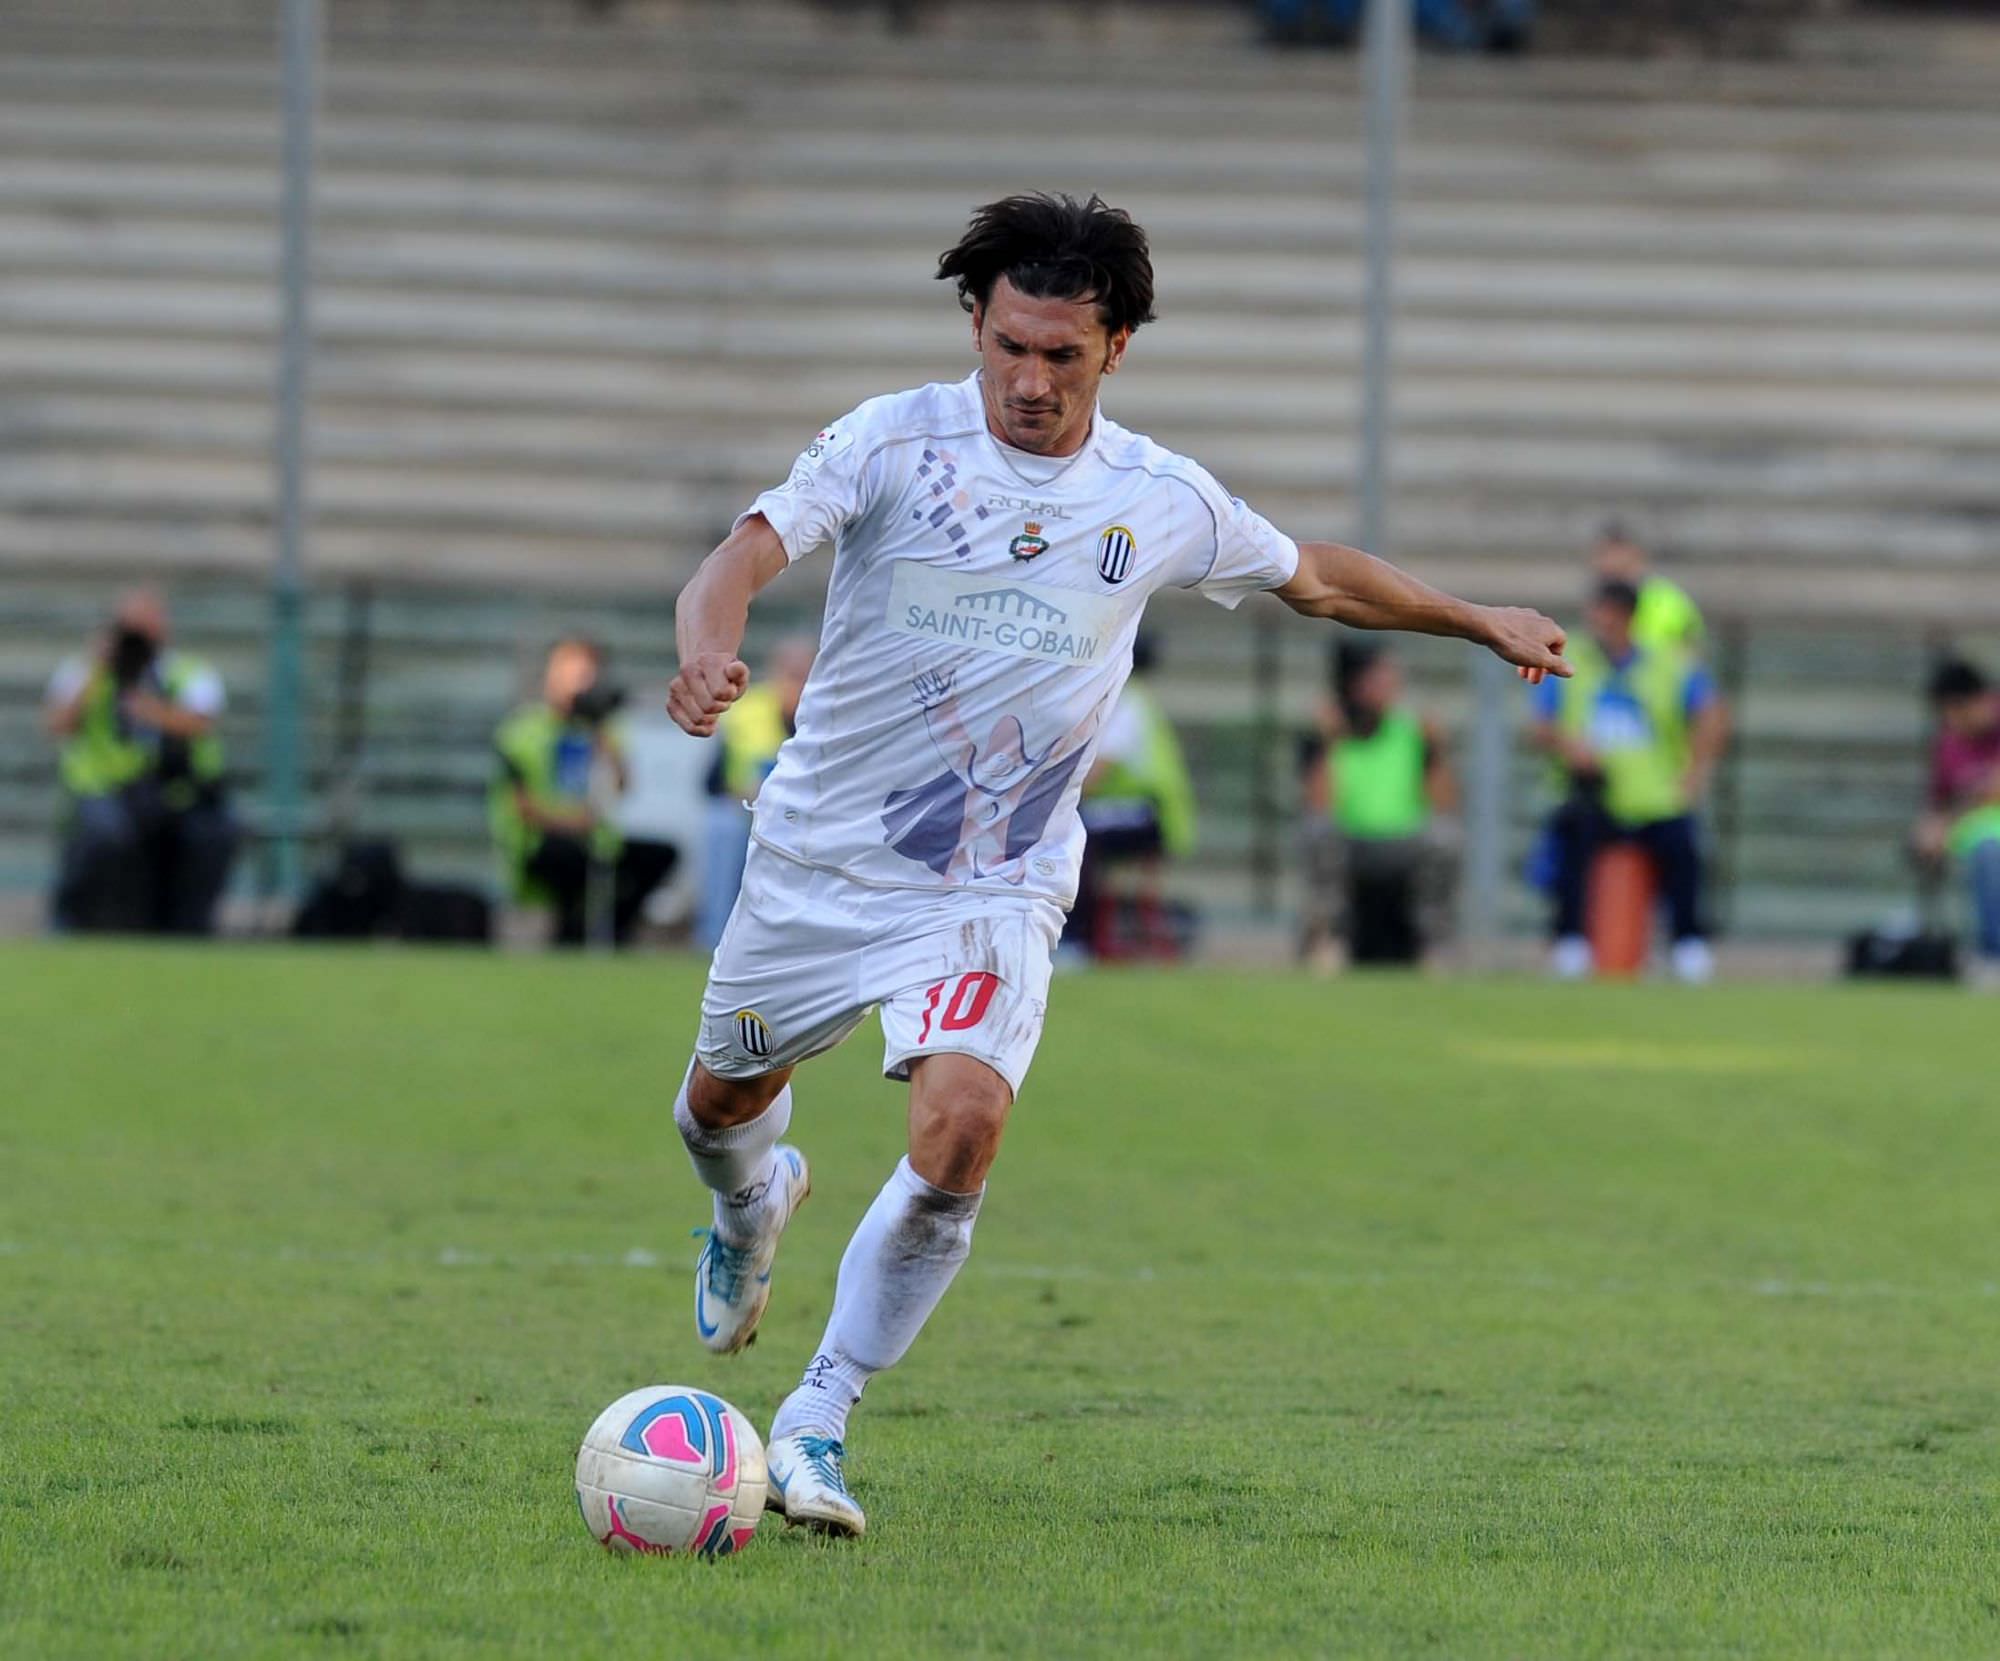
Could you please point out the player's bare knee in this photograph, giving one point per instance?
(718, 1102)
(957, 1116)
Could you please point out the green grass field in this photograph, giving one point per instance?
(1366, 1318)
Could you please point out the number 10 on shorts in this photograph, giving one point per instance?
(970, 997)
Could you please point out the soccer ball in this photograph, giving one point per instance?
(671, 1469)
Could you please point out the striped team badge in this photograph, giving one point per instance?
(1116, 549)
(752, 1034)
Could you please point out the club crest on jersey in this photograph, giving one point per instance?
(752, 1034)
(1116, 549)
(1030, 544)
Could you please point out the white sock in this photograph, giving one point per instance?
(894, 1271)
(736, 1163)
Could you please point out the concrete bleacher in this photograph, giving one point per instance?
(587, 284)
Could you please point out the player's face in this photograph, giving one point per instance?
(1043, 360)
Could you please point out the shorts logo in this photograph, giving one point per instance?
(1116, 549)
(752, 1034)
(1030, 544)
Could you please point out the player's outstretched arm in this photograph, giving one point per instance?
(709, 619)
(1348, 586)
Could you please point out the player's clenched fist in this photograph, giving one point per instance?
(707, 685)
(1528, 640)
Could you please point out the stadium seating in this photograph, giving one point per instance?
(588, 282)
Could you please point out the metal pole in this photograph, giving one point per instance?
(1266, 817)
(1386, 56)
(284, 784)
(1486, 800)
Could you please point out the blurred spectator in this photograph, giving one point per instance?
(560, 771)
(1457, 25)
(746, 744)
(1138, 809)
(1962, 816)
(1666, 615)
(1637, 731)
(1379, 854)
(147, 833)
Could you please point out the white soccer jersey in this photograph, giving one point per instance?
(979, 624)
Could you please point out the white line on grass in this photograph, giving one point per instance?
(642, 1257)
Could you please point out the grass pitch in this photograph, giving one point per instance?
(1372, 1318)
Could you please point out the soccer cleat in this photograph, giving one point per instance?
(732, 1284)
(808, 1487)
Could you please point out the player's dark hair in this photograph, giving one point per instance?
(1623, 596)
(1954, 679)
(1617, 530)
(1056, 248)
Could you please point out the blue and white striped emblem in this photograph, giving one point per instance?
(1115, 551)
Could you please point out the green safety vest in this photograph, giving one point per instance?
(529, 742)
(1645, 752)
(100, 758)
(751, 731)
(1159, 778)
(1378, 787)
(1666, 617)
(1981, 824)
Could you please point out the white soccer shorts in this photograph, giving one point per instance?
(808, 953)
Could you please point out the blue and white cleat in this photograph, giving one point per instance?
(808, 1486)
(732, 1284)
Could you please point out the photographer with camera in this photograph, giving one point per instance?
(561, 771)
(147, 835)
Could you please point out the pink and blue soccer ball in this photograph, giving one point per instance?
(671, 1469)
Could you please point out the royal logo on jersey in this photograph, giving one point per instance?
(1030, 544)
(1116, 549)
(752, 1034)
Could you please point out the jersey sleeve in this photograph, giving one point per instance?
(1249, 554)
(826, 491)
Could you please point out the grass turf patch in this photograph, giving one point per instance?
(1383, 1317)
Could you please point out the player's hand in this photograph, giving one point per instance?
(1528, 640)
(707, 684)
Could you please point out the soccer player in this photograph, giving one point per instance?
(996, 540)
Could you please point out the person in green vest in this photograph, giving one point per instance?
(1138, 810)
(747, 740)
(1961, 821)
(560, 768)
(1667, 616)
(1379, 794)
(147, 835)
(1637, 732)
